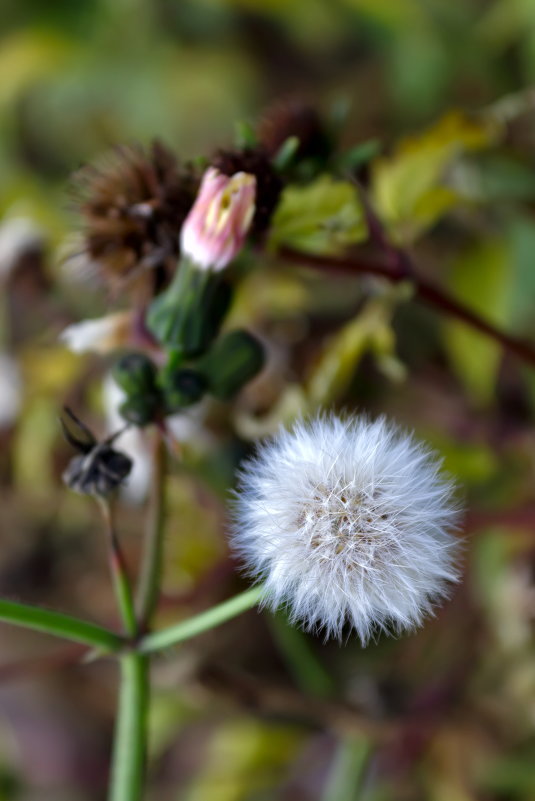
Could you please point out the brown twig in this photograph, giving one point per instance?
(397, 267)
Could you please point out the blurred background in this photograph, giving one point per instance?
(256, 711)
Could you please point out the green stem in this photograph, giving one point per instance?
(124, 596)
(129, 752)
(59, 625)
(309, 674)
(130, 742)
(151, 565)
(202, 622)
(347, 772)
(119, 573)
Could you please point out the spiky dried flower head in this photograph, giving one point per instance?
(217, 226)
(348, 521)
(254, 161)
(133, 203)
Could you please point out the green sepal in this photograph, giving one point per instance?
(140, 410)
(135, 374)
(285, 156)
(182, 387)
(188, 315)
(231, 363)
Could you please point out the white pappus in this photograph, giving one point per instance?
(348, 520)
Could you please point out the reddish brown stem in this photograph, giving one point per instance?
(400, 268)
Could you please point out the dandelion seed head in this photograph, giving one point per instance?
(348, 521)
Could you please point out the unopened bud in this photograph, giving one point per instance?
(214, 231)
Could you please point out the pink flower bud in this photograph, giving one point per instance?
(215, 229)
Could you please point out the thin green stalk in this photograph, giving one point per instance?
(309, 673)
(348, 770)
(202, 622)
(119, 573)
(151, 564)
(129, 753)
(130, 742)
(59, 625)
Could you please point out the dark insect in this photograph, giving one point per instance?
(99, 469)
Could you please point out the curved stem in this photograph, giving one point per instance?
(119, 573)
(151, 565)
(59, 625)
(203, 622)
(401, 269)
(129, 753)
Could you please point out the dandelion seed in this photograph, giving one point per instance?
(348, 521)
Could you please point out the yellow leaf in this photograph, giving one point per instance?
(25, 57)
(370, 330)
(52, 370)
(409, 188)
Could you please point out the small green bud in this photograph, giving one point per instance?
(182, 388)
(231, 362)
(140, 410)
(135, 374)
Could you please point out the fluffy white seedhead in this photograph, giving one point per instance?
(348, 521)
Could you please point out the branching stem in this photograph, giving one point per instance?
(402, 269)
(119, 575)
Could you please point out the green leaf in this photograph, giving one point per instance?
(410, 191)
(481, 278)
(370, 330)
(323, 217)
(59, 625)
